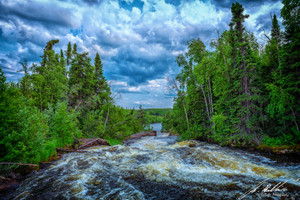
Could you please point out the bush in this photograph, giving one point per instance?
(113, 141)
(25, 142)
(63, 124)
(279, 141)
(93, 125)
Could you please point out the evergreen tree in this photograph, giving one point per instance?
(69, 53)
(62, 63)
(99, 78)
(2, 80)
(284, 90)
(275, 31)
(25, 82)
(48, 79)
(102, 89)
(81, 81)
(244, 72)
(74, 51)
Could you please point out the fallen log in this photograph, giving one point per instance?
(70, 150)
(22, 164)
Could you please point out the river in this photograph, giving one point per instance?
(161, 168)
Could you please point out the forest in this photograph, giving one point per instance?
(61, 99)
(241, 94)
(156, 115)
(235, 94)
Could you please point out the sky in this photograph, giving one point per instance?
(138, 40)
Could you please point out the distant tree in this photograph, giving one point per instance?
(69, 53)
(74, 51)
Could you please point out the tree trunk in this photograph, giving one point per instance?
(106, 120)
(205, 100)
(186, 116)
(23, 164)
(246, 91)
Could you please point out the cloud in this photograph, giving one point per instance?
(45, 13)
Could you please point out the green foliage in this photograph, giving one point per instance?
(236, 94)
(35, 116)
(114, 141)
(22, 128)
(93, 124)
(26, 143)
(63, 124)
(155, 115)
(279, 141)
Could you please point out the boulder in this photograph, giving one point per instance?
(90, 142)
(142, 134)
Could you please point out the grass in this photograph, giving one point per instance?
(113, 141)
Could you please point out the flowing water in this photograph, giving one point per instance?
(161, 168)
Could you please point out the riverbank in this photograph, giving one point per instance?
(158, 168)
(284, 153)
(11, 177)
(10, 183)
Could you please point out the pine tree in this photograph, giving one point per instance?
(62, 63)
(81, 81)
(25, 82)
(2, 81)
(101, 87)
(74, 51)
(48, 79)
(244, 72)
(275, 31)
(69, 53)
(284, 90)
(290, 66)
(99, 78)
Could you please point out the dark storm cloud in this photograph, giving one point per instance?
(92, 2)
(174, 2)
(129, 5)
(45, 13)
(264, 21)
(221, 4)
(140, 69)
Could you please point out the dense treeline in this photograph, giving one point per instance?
(59, 100)
(238, 93)
(156, 115)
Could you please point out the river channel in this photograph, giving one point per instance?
(158, 167)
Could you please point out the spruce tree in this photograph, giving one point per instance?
(74, 51)
(48, 79)
(99, 78)
(102, 89)
(69, 53)
(275, 31)
(284, 91)
(2, 81)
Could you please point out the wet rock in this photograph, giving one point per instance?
(189, 143)
(192, 145)
(7, 185)
(43, 165)
(142, 134)
(90, 142)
